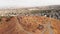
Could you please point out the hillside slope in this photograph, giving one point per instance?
(29, 25)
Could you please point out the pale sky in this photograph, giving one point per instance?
(27, 3)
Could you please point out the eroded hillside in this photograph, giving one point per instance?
(29, 25)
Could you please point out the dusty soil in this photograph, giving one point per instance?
(29, 25)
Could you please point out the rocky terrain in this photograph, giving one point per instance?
(34, 20)
(29, 25)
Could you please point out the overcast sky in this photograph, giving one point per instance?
(27, 3)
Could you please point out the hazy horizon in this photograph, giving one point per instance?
(27, 3)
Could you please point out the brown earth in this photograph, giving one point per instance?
(29, 25)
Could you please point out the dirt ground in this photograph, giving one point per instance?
(29, 25)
